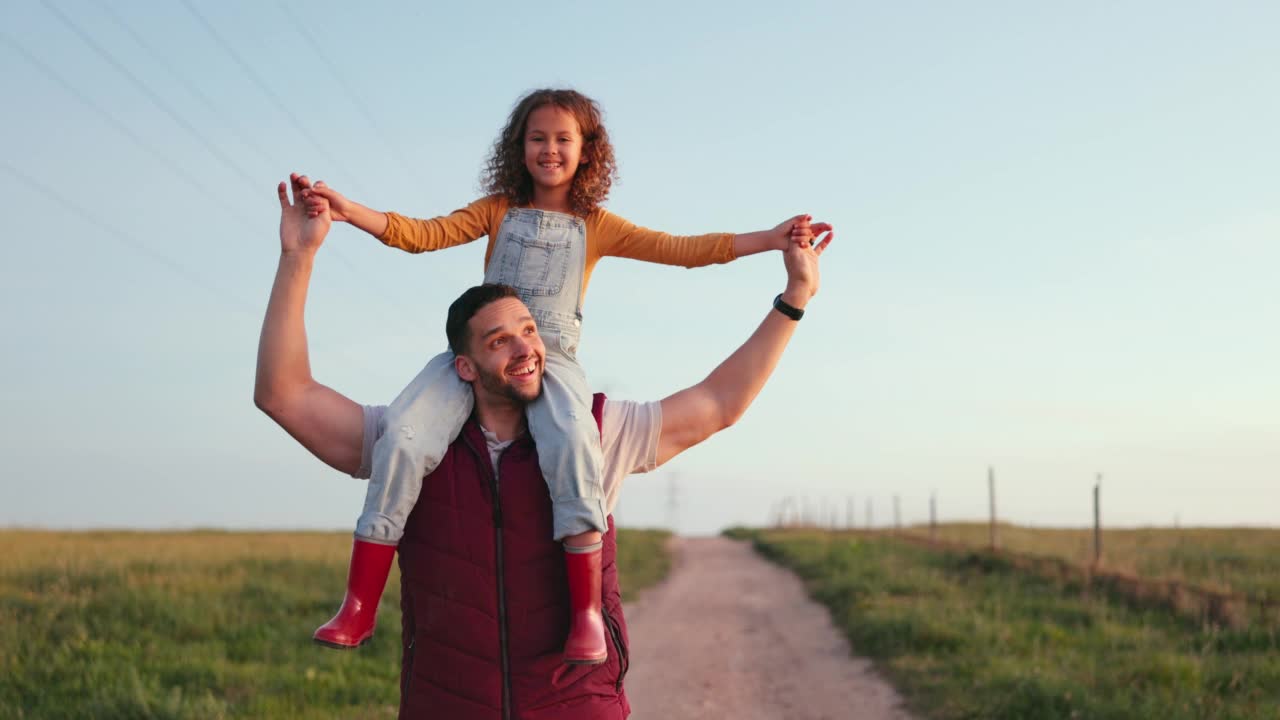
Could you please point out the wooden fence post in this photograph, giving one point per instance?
(993, 538)
(1097, 522)
(933, 517)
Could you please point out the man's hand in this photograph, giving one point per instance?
(801, 261)
(322, 197)
(300, 231)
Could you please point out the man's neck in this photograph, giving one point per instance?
(504, 419)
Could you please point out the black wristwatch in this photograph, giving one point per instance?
(794, 313)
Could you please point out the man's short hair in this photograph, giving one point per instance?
(458, 326)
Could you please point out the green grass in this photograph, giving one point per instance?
(643, 560)
(1240, 559)
(198, 625)
(967, 636)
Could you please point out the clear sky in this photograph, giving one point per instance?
(1058, 245)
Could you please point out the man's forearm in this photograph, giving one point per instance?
(696, 413)
(738, 380)
(283, 360)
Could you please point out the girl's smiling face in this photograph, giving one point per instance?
(552, 148)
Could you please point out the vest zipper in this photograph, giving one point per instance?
(495, 485)
(624, 655)
(408, 676)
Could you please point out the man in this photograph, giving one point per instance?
(482, 585)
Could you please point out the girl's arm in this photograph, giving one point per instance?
(405, 233)
(618, 237)
(344, 209)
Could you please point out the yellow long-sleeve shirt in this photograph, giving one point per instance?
(607, 236)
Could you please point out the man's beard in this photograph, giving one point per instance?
(496, 384)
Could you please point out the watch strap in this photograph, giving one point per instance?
(790, 311)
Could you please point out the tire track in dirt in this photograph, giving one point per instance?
(730, 635)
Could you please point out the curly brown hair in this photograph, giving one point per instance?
(506, 174)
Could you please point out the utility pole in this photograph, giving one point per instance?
(673, 502)
(897, 514)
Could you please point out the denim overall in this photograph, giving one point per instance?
(543, 256)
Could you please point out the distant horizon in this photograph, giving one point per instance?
(925, 526)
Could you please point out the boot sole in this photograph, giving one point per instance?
(339, 646)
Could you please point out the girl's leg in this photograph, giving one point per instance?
(418, 428)
(569, 454)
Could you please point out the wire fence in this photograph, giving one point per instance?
(1198, 601)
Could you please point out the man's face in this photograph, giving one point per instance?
(506, 355)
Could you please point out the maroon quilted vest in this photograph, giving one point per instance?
(485, 601)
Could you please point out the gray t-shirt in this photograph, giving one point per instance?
(629, 439)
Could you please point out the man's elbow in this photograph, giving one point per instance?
(268, 401)
(725, 419)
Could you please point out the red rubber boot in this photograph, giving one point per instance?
(366, 579)
(585, 645)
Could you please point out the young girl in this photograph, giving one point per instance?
(550, 170)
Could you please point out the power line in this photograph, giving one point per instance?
(266, 89)
(297, 126)
(339, 256)
(349, 91)
(124, 129)
(154, 97)
(231, 300)
(210, 106)
(192, 180)
(127, 240)
(151, 95)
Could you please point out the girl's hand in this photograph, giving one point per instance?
(780, 235)
(806, 235)
(320, 195)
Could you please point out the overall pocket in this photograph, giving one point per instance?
(534, 265)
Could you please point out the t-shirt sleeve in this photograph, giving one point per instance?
(458, 227)
(372, 431)
(629, 439)
(619, 237)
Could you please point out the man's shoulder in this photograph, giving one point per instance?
(625, 419)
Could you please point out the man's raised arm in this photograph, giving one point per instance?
(694, 414)
(326, 422)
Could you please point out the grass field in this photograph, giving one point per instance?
(965, 636)
(1240, 559)
(201, 625)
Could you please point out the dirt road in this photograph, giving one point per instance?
(730, 635)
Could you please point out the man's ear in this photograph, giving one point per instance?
(466, 369)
